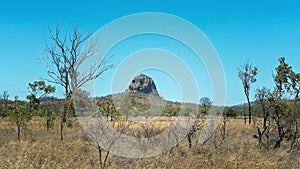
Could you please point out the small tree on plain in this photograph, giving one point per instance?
(280, 109)
(38, 91)
(206, 103)
(295, 84)
(247, 73)
(20, 116)
(4, 106)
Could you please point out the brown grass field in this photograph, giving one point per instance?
(40, 148)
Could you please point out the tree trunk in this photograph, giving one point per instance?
(265, 116)
(48, 122)
(64, 118)
(249, 109)
(61, 130)
(296, 122)
(245, 118)
(19, 133)
(280, 132)
(105, 160)
(189, 140)
(100, 155)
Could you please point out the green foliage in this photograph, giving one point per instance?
(83, 103)
(282, 112)
(188, 111)
(133, 102)
(38, 89)
(109, 110)
(125, 108)
(247, 75)
(20, 115)
(4, 103)
(169, 111)
(231, 113)
(206, 103)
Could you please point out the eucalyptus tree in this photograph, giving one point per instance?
(38, 91)
(247, 74)
(281, 112)
(206, 103)
(20, 115)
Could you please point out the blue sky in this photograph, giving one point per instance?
(255, 31)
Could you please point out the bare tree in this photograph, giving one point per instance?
(105, 136)
(63, 59)
(196, 126)
(247, 74)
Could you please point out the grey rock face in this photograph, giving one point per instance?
(143, 84)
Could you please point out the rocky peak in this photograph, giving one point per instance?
(143, 84)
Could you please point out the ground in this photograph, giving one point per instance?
(40, 148)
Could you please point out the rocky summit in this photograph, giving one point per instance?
(143, 84)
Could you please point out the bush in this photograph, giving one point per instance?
(231, 113)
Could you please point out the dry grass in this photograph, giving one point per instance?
(43, 149)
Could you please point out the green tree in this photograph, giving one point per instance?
(133, 102)
(38, 91)
(63, 58)
(169, 111)
(20, 115)
(4, 103)
(280, 109)
(206, 103)
(295, 88)
(126, 106)
(49, 111)
(109, 110)
(247, 73)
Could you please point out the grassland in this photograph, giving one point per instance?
(40, 148)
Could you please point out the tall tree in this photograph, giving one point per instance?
(281, 111)
(247, 73)
(63, 58)
(295, 84)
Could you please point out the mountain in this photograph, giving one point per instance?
(143, 84)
